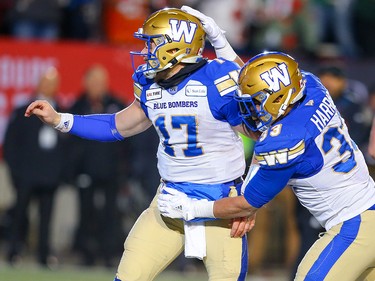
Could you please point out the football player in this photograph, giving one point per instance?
(304, 144)
(189, 101)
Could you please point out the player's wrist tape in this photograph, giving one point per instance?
(226, 52)
(99, 127)
(66, 122)
(203, 209)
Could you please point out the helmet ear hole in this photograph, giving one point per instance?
(278, 99)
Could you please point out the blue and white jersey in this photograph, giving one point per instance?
(311, 146)
(194, 121)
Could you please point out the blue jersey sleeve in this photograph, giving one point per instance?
(99, 127)
(279, 152)
(224, 75)
(266, 184)
(269, 181)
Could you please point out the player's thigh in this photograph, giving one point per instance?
(368, 275)
(152, 244)
(227, 257)
(360, 254)
(343, 253)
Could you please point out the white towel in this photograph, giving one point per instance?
(195, 240)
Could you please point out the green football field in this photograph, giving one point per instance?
(33, 273)
(74, 273)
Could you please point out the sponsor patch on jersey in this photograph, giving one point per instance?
(196, 90)
(153, 94)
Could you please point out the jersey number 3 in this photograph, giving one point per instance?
(192, 149)
(345, 150)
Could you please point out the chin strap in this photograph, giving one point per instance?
(300, 94)
(285, 104)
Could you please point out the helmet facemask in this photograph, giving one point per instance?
(152, 65)
(252, 111)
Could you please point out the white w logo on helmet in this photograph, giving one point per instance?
(183, 28)
(275, 75)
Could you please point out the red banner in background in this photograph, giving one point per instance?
(23, 62)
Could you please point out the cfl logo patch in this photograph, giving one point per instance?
(275, 75)
(183, 28)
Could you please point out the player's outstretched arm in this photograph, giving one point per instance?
(175, 204)
(233, 207)
(100, 127)
(215, 35)
(132, 120)
(44, 111)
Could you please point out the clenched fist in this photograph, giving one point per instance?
(44, 111)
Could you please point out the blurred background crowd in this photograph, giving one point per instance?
(312, 27)
(68, 200)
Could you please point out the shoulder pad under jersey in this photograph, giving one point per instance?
(140, 81)
(280, 146)
(137, 90)
(224, 73)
